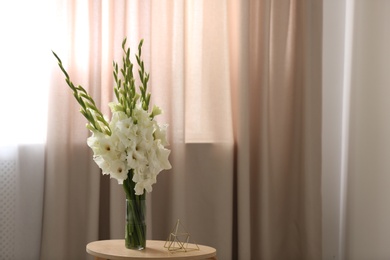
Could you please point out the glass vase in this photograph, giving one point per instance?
(135, 230)
(135, 225)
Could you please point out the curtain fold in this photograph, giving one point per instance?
(240, 86)
(278, 129)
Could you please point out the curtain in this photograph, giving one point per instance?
(240, 86)
(278, 130)
(23, 108)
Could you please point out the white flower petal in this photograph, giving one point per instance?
(161, 134)
(118, 171)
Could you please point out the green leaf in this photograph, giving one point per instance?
(124, 43)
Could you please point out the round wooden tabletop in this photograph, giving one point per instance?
(116, 250)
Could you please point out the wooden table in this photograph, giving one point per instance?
(116, 250)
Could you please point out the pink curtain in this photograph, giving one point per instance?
(240, 85)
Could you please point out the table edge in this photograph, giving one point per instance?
(108, 256)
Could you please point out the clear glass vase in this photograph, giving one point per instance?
(135, 231)
(135, 226)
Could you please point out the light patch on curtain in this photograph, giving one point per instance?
(25, 54)
(207, 85)
(81, 41)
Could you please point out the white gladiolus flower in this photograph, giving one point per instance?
(161, 134)
(136, 159)
(136, 143)
(162, 155)
(132, 143)
(103, 164)
(139, 188)
(137, 146)
(144, 180)
(141, 116)
(156, 111)
(118, 170)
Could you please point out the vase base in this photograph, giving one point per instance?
(139, 248)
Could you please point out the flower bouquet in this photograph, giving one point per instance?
(131, 147)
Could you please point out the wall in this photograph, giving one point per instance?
(368, 207)
(334, 109)
(356, 127)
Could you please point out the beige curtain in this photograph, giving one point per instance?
(240, 85)
(277, 81)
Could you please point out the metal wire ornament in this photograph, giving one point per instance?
(179, 240)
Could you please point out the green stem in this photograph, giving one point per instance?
(135, 218)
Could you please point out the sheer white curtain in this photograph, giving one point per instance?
(24, 70)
